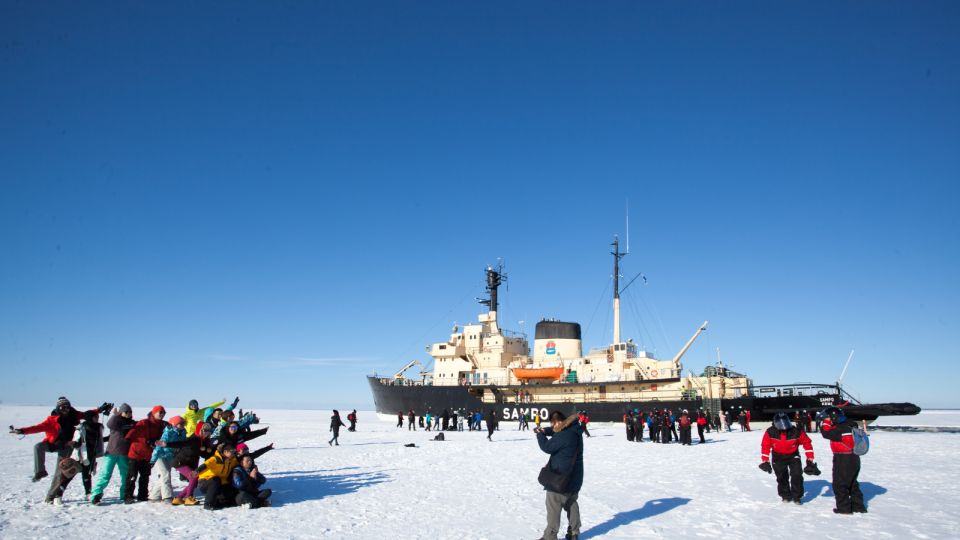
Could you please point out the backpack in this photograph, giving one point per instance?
(861, 441)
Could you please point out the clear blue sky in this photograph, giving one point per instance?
(275, 199)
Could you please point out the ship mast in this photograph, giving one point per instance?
(616, 288)
(494, 280)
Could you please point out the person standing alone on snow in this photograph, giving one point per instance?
(784, 440)
(352, 418)
(335, 424)
(491, 424)
(565, 446)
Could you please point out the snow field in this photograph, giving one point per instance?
(371, 486)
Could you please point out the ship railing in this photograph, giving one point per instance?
(787, 390)
(505, 333)
(390, 381)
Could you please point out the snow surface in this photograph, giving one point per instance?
(371, 486)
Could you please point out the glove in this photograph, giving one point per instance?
(105, 408)
(235, 401)
(811, 469)
(16, 431)
(766, 467)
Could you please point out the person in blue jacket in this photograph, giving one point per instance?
(563, 440)
(247, 480)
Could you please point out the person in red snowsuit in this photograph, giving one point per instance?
(783, 440)
(838, 429)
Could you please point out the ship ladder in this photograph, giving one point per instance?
(713, 405)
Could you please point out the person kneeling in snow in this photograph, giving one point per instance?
(214, 478)
(247, 481)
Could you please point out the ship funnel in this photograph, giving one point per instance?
(555, 341)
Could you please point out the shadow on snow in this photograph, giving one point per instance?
(823, 488)
(650, 509)
(304, 486)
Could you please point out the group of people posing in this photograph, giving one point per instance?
(207, 446)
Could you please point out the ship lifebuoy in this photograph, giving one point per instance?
(654, 373)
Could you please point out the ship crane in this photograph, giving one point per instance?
(683, 351)
(410, 364)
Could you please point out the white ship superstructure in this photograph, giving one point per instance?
(495, 362)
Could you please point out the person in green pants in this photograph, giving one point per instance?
(120, 422)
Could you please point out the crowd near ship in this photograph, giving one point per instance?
(483, 366)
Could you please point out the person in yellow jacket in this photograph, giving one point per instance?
(194, 414)
(214, 479)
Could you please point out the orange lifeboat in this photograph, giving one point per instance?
(538, 373)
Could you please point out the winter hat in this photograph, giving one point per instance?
(176, 421)
(156, 409)
(124, 408)
(242, 447)
(62, 402)
(194, 404)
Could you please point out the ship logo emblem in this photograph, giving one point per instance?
(551, 347)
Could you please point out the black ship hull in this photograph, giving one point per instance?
(390, 399)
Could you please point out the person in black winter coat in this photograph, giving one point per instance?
(563, 440)
(492, 422)
(190, 453)
(335, 424)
